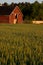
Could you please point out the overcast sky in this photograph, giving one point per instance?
(17, 1)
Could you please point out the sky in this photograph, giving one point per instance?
(17, 1)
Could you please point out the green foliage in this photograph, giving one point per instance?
(21, 44)
(32, 11)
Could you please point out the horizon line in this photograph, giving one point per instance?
(19, 2)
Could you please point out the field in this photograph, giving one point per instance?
(21, 44)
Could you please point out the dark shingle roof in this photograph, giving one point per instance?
(6, 10)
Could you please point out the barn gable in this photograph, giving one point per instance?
(16, 16)
(16, 8)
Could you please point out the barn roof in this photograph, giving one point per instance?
(6, 10)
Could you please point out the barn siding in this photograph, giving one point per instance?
(4, 19)
(20, 19)
(12, 16)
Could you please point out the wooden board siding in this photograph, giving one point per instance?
(19, 15)
(20, 19)
(4, 19)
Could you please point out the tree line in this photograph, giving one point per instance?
(31, 11)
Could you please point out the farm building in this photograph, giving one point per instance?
(10, 15)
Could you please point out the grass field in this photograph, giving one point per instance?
(21, 44)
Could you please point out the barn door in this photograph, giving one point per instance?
(15, 20)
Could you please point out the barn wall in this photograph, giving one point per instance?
(11, 19)
(20, 19)
(12, 16)
(4, 19)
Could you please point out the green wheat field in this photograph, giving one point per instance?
(21, 44)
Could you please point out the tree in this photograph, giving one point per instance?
(5, 4)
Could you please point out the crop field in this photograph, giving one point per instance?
(21, 44)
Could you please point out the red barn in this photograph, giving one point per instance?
(10, 15)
